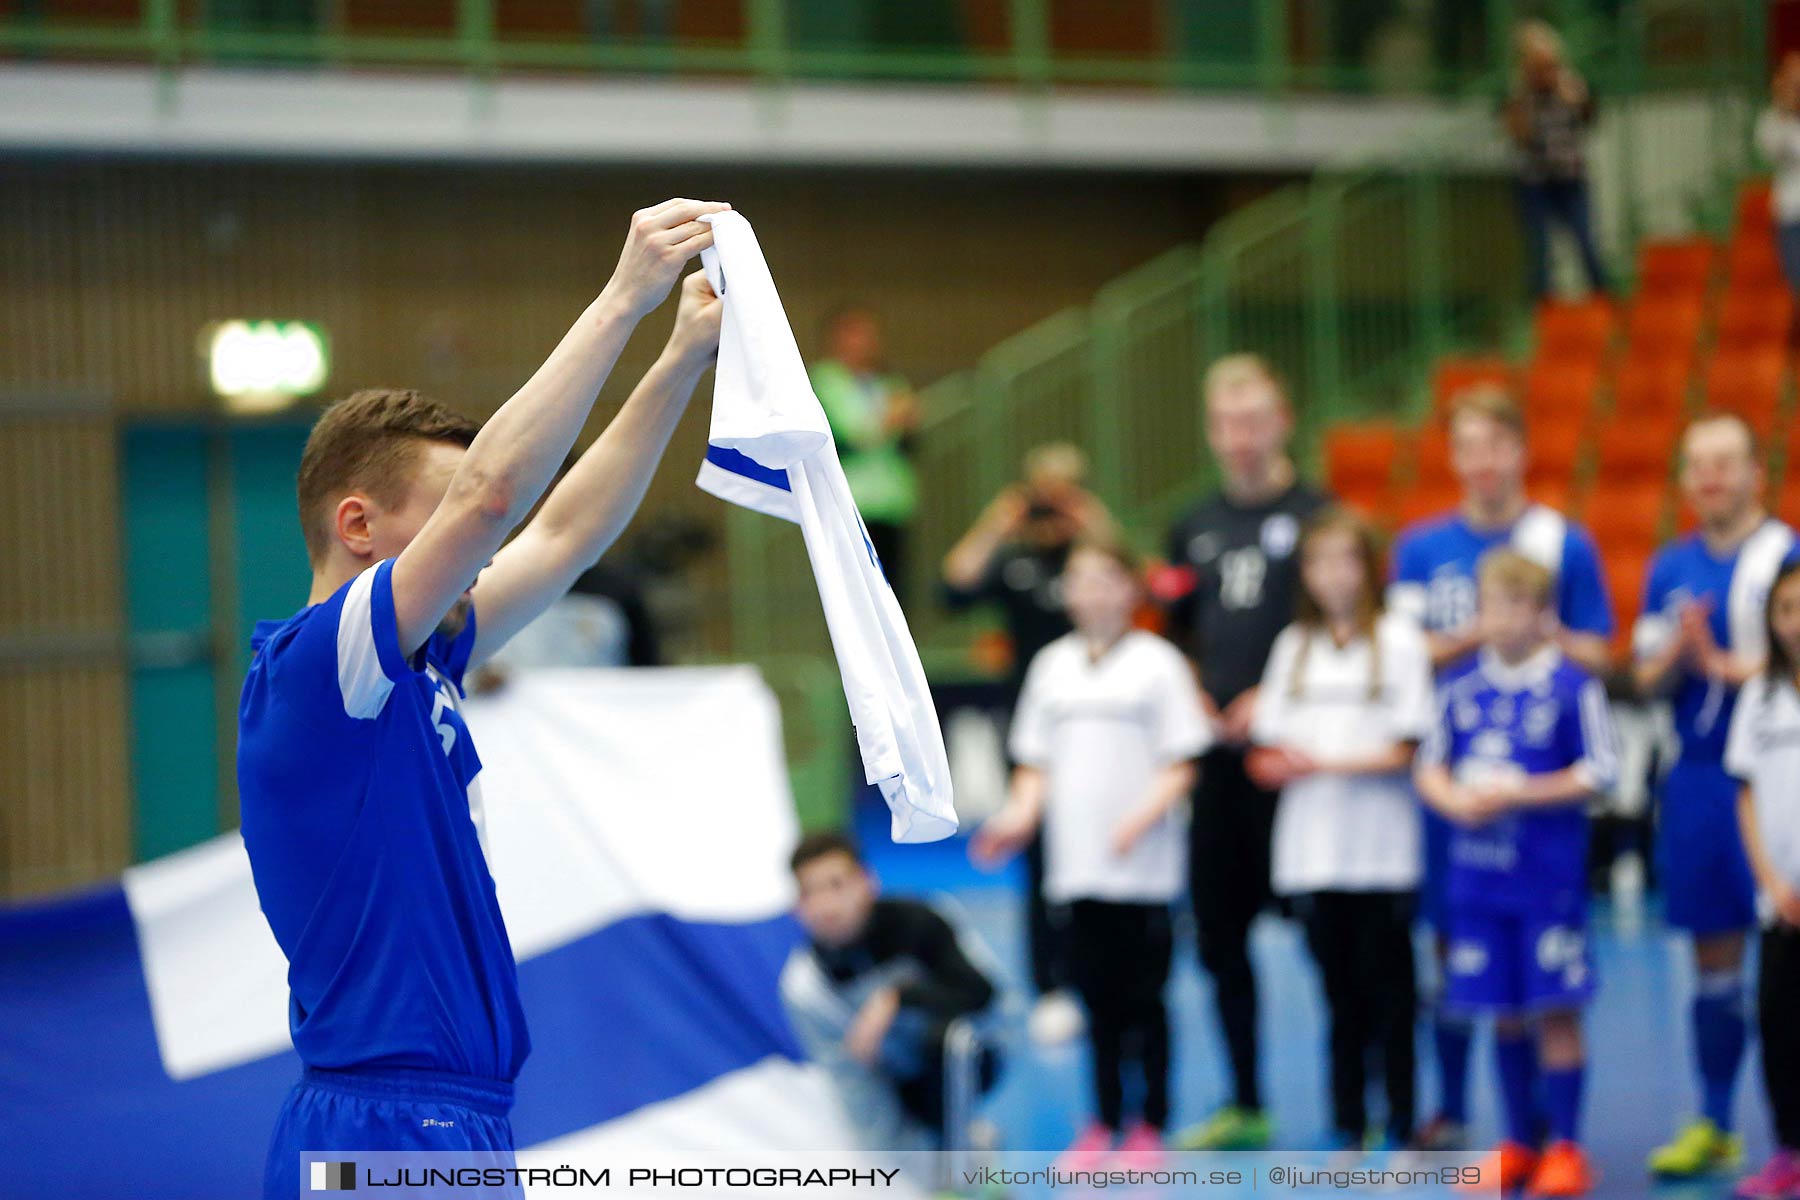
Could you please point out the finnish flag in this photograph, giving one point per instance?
(334, 1177)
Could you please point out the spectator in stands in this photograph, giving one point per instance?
(1013, 557)
(873, 416)
(1108, 727)
(1699, 640)
(1237, 581)
(1778, 137)
(1434, 581)
(873, 994)
(1547, 115)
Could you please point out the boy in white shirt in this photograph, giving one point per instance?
(1107, 730)
(1345, 700)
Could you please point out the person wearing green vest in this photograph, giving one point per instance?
(873, 415)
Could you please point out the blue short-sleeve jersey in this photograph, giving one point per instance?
(1686, 571)
(1434, 565)
(360, 813)
(1534, 718)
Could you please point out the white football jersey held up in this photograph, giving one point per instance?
(770, 449)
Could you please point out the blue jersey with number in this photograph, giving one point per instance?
(360, 812)
(1435, 560)
(1500, 722)
(1686, 571)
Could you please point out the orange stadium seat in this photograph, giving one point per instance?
(1681, 266)
(1651, 384)
(1754, 262)
(1756, 316)
(1555, 450)
(1431, 457)
(1420, 502)
(1787, 500)
(1664, 324)
(1359, 462)
(1626, 516)
(1457, 373)
(1556, 386)
(1639, 450)
(1574, 329)
(1755, 209)
(1626, 571)
(1556, 492)
(1748, 383)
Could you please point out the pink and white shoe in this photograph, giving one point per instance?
(1779, 1179)
(1141, 1148)
(1088, 1151)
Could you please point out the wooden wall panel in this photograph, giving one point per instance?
(65, 800)
(65, 812)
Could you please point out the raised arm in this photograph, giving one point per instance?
(519, 448)
(586, 512)
(967, 562)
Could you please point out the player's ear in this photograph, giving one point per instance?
(352, 526)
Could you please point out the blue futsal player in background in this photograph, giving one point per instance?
(1523, 738)
(1700, 638)
(1434, 582)
(361, 807)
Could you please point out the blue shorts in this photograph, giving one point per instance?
(395, 1110)
(1510, 962)
(1707, 885)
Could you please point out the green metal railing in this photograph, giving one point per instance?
(1352, 284)
(1268, 46)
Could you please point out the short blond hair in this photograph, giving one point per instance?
(1510, 571)
(1490, 400)
(1536, 33)
(1236, 371)
(369, 442)
(1060, 460)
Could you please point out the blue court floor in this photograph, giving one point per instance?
(1639, 1082)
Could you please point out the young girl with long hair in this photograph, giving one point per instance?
(1345, 700)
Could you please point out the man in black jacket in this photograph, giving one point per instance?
(1235, 556)
(874, 992)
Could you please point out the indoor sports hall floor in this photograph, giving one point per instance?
(1639, 1083)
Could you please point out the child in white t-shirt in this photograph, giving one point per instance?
(1763, 753)
(1108, 726)
(1345, 699)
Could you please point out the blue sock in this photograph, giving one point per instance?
(1517, 1057)
(1720, 1034)
(1453, 1036)
(1562, 1102)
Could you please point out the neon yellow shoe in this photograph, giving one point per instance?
(1700, 1148)
(1231, 1128)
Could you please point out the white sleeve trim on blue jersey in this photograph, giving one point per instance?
(1651, 635)
(1408, 599)
(1599, 765)
(368, 650)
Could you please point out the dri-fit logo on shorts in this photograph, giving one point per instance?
(333, 1177)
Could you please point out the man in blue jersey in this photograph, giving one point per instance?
(1700, 638)
(1523, 739)
(1434, 565)
(361, 804)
